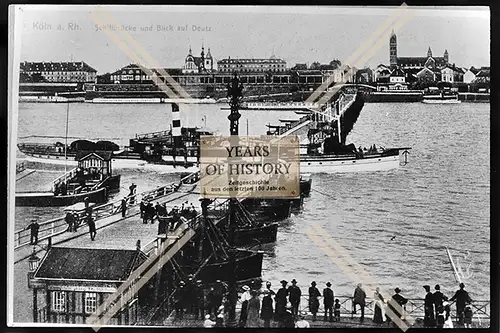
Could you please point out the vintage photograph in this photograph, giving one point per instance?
(249, 166)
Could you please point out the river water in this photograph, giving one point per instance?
(394, 224)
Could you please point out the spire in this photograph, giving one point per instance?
(446, 56)
(209, 55)
(190, 52)
(429, 52)
(392, 33)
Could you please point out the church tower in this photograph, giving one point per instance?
(446, 57)
(429, 53)
(202, 62)
(209, 62)
(393, 50)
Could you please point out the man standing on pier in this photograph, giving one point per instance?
(124, 206)
(313, 299)
(132, 189)
(359, 298)
(328, 298)
(438, 300)
(280, 300)
(295, 294)
(34, 227)
(462, 297)
(429, 320)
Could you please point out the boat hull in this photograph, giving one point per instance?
(248, 266)
(342, 165)
(261, 234)
(118, 163)
(44, 199)
(441, 101)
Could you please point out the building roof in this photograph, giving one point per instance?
(420, 61)
(484, 72)
(250, 60)
(397, 72)
(310, 72)
(454, 68)
(82, 155)
(89, 264)
(56, 67)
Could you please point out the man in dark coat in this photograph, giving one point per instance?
(132, 189)
(280, 300)
(359, 298)
(438, 300)
(200, 300)
(266, 311)
(328, 298)
(151, 212)
(313, 299)
(294, 293)
(218, 295)
(34, 227)
(462, 299)
(429, 320)
(91, 224)
(124, 206)
(396, 304)
(142, 207)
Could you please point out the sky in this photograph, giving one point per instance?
(295, 34)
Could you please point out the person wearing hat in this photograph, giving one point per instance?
(328, 298)
(396, 305)
(359, 299)
(294, 293)
(429, 320)
(378, 307)
(448, 323)
(462, 299)
(253, 310)
(313, 299)
(287, 319)
(266, 311)
(244, 298)
(281, 301)
(132, 189)
(208, 323)
(438, 300)
(180, 297)
(199, 300)
(218, 294)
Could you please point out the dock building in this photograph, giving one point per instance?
(66, 72)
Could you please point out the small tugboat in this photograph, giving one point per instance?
(92, 179)
(433, 95)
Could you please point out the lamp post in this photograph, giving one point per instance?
(33, 262)
(234, 94)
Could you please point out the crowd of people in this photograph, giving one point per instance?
(264, 307)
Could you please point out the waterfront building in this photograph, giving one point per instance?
(69, 284)
(483, 76)
(248, 65)
(470, 74)
(364, 75)
(61, 72)
(429, 61)
(202, 64)
(452, 74)
(137, 74)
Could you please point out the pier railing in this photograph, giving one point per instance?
(414, 308)
(69, 175)
(57, 226)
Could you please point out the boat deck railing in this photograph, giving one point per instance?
(57, 226)
(153, 135)
(69, 175)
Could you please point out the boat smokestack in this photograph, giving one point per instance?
(176, 125)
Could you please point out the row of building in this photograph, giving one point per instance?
(400, 74)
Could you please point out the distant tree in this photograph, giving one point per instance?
(37, 78)
(25, 77)
(335, 63)
(315, 65)
(104, 78)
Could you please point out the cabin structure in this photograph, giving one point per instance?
(94, 165)
(69, 284)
